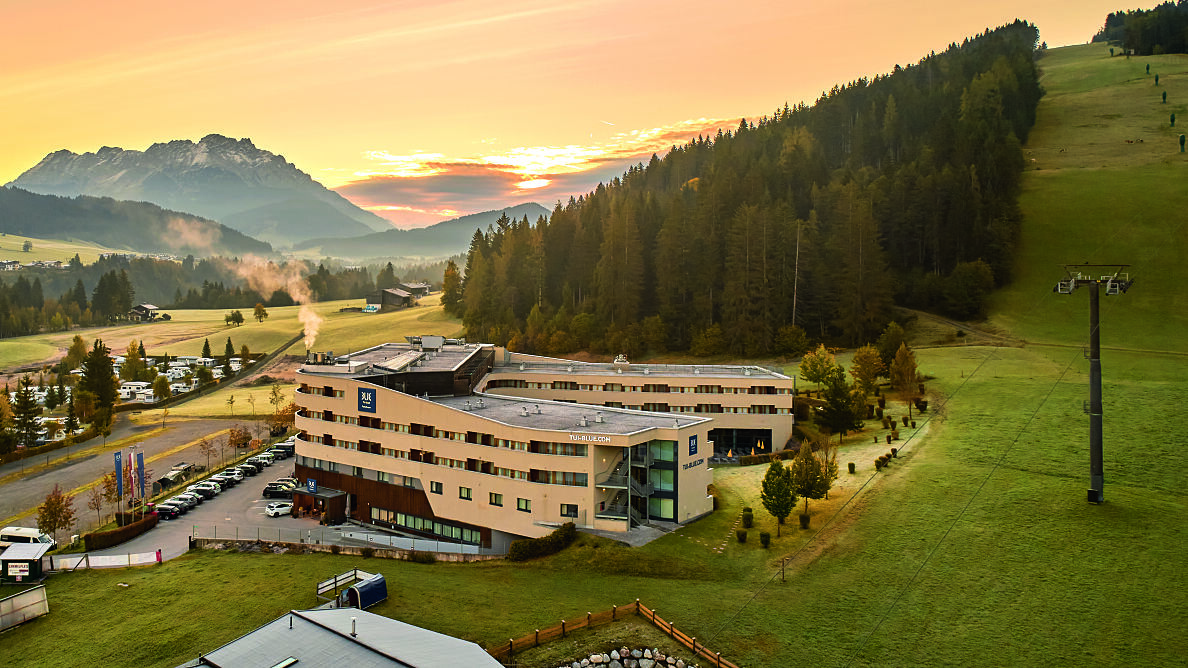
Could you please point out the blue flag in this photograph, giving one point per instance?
(140, 471)
(119, 471)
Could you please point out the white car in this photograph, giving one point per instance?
(278, 508)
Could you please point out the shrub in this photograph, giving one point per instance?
(894, 452)
(335, 549)
(851, 467)
(102, 539)
(747, 509)
(367, 552)
(894, 434)
(765, 538)
(421, 557)
(530, 548)
(742, 535)
(878, 463)
(748, 520)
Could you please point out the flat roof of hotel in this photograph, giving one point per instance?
(563, 416)
(396, 357)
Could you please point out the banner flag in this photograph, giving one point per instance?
(119, 471)
(140, 471)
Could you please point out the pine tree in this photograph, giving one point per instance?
(451, 290)
(808, 475)
(24, 413)
(71, 417)
(229, 349)
(98, 378)
(206, 348)
(777, 493)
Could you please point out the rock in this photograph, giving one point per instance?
(635, 653)
(614, 655)
(595, 659)
(605, 657)
(646, 663)
(614, 664)
(585, 662)
(575, 664)
(680, 663)
(671, 661)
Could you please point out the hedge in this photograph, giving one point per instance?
(530, 548)
(102, 539)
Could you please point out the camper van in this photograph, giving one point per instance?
(12, 535)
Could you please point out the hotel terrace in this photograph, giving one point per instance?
(472, 443)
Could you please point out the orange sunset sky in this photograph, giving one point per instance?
(423, 111)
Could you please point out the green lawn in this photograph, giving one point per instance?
(12, 245)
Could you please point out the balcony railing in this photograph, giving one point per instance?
(613, 481)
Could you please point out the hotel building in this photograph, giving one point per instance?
(471, 443)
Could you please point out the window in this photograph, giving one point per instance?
(383, 476)
(569, 510)
(464, 493)
(332, 467)
(496, 499)
(357, 471)
(435, 487)
(524, 505)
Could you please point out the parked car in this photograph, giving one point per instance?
(263, 458)
(280, 453)
(183, 505)
(292, 481)
(212, 485)
(275, 491)
(234, 473)
(279, 508)
(198, 498)
(226, 480)
(167, 511)
(248, 468)
(204, 492)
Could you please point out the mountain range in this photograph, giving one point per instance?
(137, 226)
(448, 237)
(229, 180)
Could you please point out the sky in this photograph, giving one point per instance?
(426, 110)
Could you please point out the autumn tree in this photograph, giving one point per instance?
(95, 501)
(208, 448)
(777, 494)
(808, 475)
(888, 344)
(816, 366)
(905, 377)
(260, 313)
(161, 388)
(133, 366)
(231, 404)
(56, 513)
(865, 368)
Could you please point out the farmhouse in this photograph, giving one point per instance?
(143, 313)
(391, 298)
(407, 434)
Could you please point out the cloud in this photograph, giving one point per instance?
(423, 188)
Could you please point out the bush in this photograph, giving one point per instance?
(367, 552)
(747, 509)
(420, 557)
(748, 520)
(894, 452)
(851, 467)
(102, 539)
(530, 548)
(742, 535)
(335, 549)
(765, 538)
(878, 463)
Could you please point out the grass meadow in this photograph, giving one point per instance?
(12, 245)
(975, 547)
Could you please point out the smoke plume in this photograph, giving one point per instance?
(191, 235)
(265, 277)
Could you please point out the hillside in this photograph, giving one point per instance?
(135, 226)
(450, 237)
(250, 189)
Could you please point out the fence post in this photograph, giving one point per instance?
(718, 659)
(511, 647)
(694, 646)
(562, 628)
(536, 639)
(613, 612)
(587, 619)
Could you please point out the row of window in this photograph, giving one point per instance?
(426, 525)
(703, 408)
(493, 498)
(515, 383)
(539, 447)
(326, 391)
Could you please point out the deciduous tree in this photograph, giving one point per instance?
(866, 367)
(56, 513)
(808, 475)
(905, 377)
(816, 366)
(260, 313)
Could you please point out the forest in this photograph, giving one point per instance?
(1162, 29)
(809, 224)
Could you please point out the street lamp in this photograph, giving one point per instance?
(1116, 283)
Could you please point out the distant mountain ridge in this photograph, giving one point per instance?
(136, 226)
(448, 237)
(229, 180)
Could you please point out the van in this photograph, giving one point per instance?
(12, 535)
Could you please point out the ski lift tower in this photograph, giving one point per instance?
(1093, 276)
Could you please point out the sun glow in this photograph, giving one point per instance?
(533, 183)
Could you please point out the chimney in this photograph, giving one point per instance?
(353, 634)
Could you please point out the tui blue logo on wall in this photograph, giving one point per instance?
(692, 445)
(366, 400)
(311, 485)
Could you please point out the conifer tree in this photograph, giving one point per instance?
(777, 494)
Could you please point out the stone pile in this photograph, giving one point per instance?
(630, 658)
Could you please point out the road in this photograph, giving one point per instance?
(70, 470)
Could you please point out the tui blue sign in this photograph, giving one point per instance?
(366, 400)
(692, 445)
(311, 485)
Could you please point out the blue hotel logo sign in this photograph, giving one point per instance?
(366, 400)
(692, 445)
(311, 485)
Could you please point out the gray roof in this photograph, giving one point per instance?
(25, 551)
(324, 638)
(564, 416)
(400, 357)
(658, 371)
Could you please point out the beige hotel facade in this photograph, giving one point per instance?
(471, 443)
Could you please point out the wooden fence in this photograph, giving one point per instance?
(507, 650)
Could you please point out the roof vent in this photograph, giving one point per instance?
(696, 371)
(536, 408)
(647, 371)
(747, 371)
(619, 370)
(570, 368)
(598, 417)
(353, 634)
(521, 366)
(583, 422)
(480, 402)
(523, 411)
(468, 404)
(676, 424)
